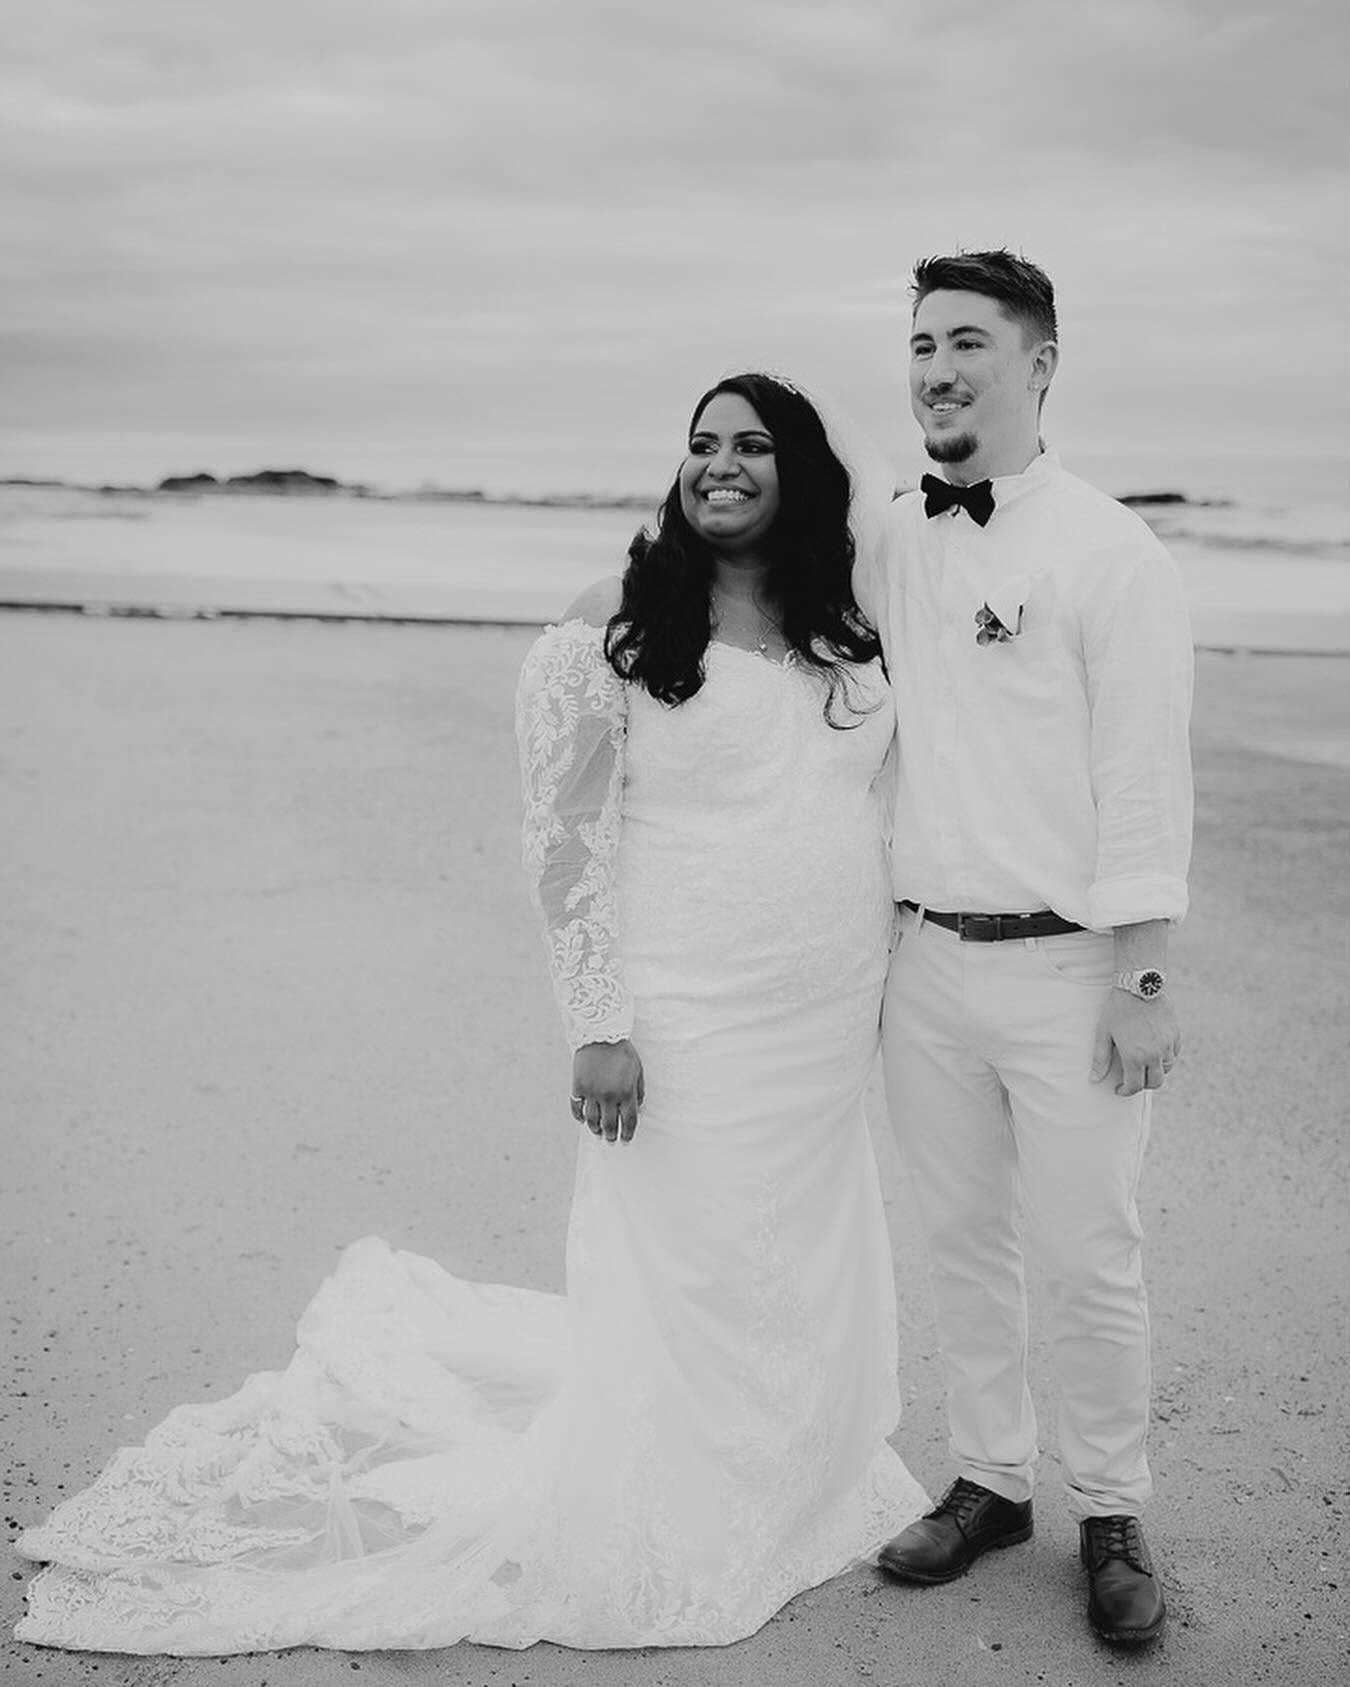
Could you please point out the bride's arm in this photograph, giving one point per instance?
(571, 724)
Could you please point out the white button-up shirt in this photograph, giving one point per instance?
(1051, 770)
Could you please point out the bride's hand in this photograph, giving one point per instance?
(607, 1089)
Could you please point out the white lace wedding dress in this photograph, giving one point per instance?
(696, 1431)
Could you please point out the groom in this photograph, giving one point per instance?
(1038, 644)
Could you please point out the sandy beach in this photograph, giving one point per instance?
(272, 983)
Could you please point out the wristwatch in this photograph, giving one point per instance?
(1145, 984)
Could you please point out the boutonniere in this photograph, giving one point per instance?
(990, 630)
(999, 618)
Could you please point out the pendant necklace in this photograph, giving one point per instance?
(767, 625)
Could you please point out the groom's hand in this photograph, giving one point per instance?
(1137, 1042)
(607, 1089)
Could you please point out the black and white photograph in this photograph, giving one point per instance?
(674, 921)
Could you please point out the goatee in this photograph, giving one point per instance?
(959, 448)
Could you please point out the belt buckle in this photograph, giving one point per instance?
(979, 928)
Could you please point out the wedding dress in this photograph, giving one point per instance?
(695, 1432)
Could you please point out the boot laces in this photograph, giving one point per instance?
(1116, 1537)
(961, 1501)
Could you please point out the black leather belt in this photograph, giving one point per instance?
(998, 928)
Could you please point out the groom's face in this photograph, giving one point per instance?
(974, 382)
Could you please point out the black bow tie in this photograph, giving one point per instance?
(977, 501)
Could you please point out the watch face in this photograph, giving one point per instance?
(1150, 983)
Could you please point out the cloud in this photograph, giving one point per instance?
(504, 227)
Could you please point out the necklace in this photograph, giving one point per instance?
(758, 636)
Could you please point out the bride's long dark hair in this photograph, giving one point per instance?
(658, 637)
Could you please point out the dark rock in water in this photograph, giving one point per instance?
(282, 480)
(1136, 498)
(188, 483)
(266, 480)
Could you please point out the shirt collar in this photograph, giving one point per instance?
(1040, 471)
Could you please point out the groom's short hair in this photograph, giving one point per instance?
(1022, 289)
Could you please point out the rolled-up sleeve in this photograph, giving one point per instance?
(1140, 666)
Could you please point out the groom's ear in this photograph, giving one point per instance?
(1044, 362)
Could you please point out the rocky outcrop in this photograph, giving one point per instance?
(282, 480)
(189, 483)
(266, 480)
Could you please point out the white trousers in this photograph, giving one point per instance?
(1014, 1153)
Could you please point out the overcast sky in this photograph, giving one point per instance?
(507, 242)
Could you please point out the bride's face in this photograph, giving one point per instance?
(729, 480)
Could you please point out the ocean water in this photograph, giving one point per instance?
(1255, 538)
(1297, 506)
(539, 555)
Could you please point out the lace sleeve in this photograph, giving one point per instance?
(571, 719)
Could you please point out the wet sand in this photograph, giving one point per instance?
(1259, 602)
(272, 983)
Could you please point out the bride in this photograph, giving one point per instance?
(696, 1431)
